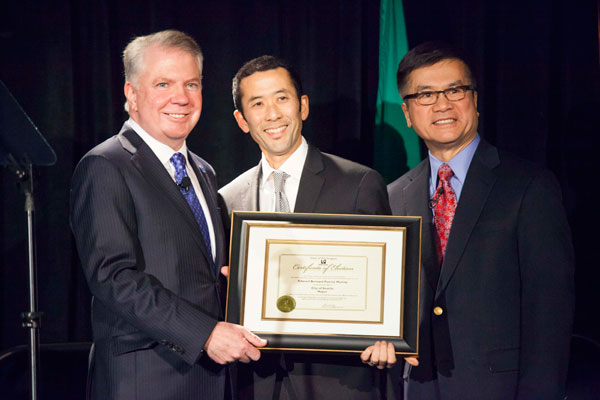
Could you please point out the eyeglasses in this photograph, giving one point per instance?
(428, 98)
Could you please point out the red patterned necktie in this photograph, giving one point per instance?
(444, 208)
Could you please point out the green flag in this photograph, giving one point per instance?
(397, 147)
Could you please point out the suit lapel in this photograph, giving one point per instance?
(249, 196)
(311, 182)
(416, 197)
(478, 184)
(146, 162)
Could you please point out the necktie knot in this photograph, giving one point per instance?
(445, 172)
(178, 160)
(279, 179)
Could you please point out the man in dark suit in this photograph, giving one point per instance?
(271, 105)
(145, 217)
(497, 291)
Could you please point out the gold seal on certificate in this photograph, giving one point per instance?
(286, 303)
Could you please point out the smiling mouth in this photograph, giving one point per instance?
(272, 131)
(444, 121)
(176, 115)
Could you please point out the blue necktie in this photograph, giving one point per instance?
(178, 161)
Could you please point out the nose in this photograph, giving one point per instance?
(442, 103)
(273, 112)
(179, 95)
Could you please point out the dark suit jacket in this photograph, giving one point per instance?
(156, 298)
(329, 184)
(505, 286)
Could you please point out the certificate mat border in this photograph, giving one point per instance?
(406, 344)
(364, 327)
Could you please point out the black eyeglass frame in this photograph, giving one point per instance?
(438, 92)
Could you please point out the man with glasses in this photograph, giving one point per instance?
(497, 291)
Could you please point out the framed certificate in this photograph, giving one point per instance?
(324, 282)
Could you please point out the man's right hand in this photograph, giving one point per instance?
(229, 342)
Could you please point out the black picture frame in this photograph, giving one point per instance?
(406, 344)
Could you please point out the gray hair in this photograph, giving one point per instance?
(133, 55)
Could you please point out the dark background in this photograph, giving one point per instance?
(539, 83)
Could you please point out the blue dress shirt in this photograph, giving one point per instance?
(460, 165)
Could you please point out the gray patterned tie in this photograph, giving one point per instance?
(281, 201)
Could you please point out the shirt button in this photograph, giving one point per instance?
(438, 310)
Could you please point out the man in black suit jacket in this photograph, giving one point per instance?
(152, 264)
(270, 105)
(496, 312)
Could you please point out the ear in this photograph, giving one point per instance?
(475, 99)
(304, 107)
(131, 97)
(406, 114)
(241, 121)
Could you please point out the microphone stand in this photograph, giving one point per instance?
(22, 146)
(32, 318)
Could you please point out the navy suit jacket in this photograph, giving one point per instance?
(156, 298)
(329, 184)
(505, 286)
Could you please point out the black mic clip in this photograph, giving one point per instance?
(185, 184)
(434, 200)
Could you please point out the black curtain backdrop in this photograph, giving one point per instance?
(538, 71)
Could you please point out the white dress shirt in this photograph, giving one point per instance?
(293, 166)
(164, 154)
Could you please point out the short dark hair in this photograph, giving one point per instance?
(427, 54)
(260, 64)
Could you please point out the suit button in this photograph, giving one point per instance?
(438, 310)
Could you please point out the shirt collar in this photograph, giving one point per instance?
(162, 151)
(459, 163)
(293, 166)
